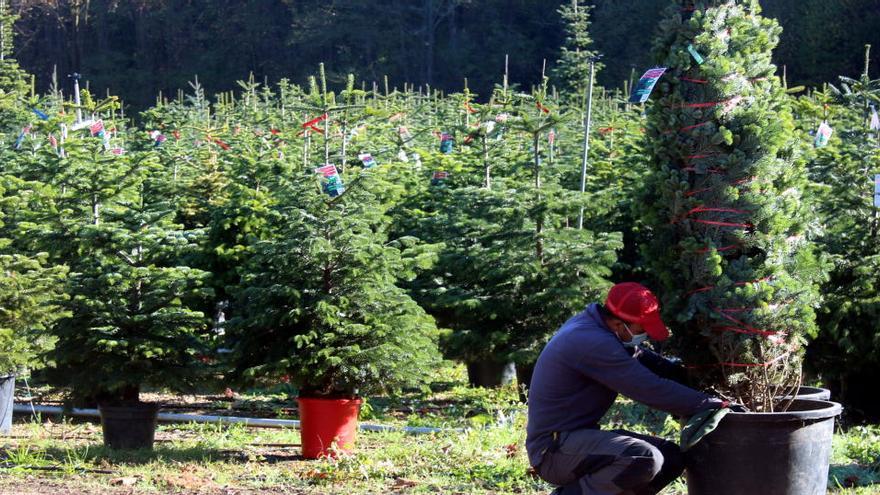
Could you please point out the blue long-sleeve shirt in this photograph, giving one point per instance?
(579, 374)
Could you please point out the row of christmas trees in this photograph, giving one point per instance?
(335, 238)
(300, 229)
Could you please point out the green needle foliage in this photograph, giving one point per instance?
(320, 302)
(29, 292)
(211, 207)
(513, 267)
(572, 69)
(30, 286)
(729, 223)
(129, 321)
(848, 353)
(13, 80)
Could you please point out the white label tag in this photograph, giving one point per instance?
(877, 190)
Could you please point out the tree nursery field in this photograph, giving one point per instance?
(329, 253)
(485, 456)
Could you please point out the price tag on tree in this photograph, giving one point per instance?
(333, 186)
(438, 178)
(694, 53)
(875, 119)
(823, 134)
(446, 143)
(97, 129)
(877, 190)
(331, 182)
(646, 84)
(328, 170)
(367, 160)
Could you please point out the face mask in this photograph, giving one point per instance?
(635, 340)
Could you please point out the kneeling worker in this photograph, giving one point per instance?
(576, 380)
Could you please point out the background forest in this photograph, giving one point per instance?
(139, 47)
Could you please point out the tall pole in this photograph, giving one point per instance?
(587, 122)
(76, 99)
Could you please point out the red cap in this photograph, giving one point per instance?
(635, 303)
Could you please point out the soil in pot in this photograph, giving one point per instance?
(327, 426)
(129, 425)
(784, 453)
(7, 394)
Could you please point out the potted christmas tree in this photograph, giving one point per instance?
(130, 323)
(29, 284)
(319, 303)
(731, 246)
(29, 291)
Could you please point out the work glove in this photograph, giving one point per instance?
(700, 425)
(664, 367)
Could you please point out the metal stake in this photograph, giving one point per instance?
(587, 123)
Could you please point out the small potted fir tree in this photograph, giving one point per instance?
(731, 244)
(29, 292)
(130, 320)
(319, 303)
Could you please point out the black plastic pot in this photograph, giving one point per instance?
(7, 393)
(811, 393)
(814, 393)
(129, 425)
(766, 453)
(490, 373)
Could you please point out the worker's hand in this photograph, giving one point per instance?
(700, 425)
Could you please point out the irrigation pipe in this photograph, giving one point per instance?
(54, 468)
(198, 418)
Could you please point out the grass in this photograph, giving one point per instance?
(486, 457)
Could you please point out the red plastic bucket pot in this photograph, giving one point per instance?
(327, 426)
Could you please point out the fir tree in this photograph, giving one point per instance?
(573, 66)
(130, 323)
(725, 203)
(847, 352)
(512, 268)
(616, 171)
(30, 286)
(12, 78)
(30, 289)
(319, 302)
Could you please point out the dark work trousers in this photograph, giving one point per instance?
(615, 462)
